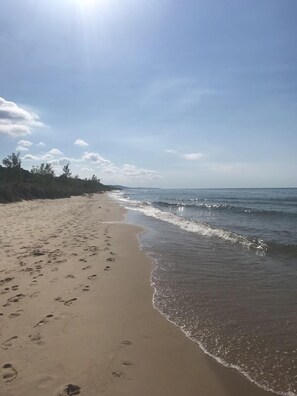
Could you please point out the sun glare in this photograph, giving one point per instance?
(87, 3)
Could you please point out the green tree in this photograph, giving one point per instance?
(95, 179)
(12, 161)
(43, 169)
(66, 171)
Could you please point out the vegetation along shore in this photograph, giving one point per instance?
(41, 182)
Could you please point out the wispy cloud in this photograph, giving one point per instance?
(40, 144)
(170, 151)
(38, 157)
(178, 93)
(193, 156)
(15, 121)
(81, 143)
(186, 156)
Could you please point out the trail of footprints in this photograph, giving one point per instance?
(55, 258)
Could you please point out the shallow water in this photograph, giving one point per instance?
(226, 273)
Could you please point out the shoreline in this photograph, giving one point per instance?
(76, 302)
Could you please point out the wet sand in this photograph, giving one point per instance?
(76, 313)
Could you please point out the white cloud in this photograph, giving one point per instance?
(93, 163)
(126, 171)
(61, 161)
(96, 158)
(40, 144)
(55, 152)
(138, 173)
(16, 121)
(13, 130)
(25, 143)
(81, 143)
(192, 156)
(21, 148)
(38, 157)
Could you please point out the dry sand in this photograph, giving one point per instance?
(76, 312)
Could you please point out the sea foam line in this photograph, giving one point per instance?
(204, 229)
(216, 358)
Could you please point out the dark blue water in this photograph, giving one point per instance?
(226, 273)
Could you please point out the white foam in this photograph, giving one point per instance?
(218, 359)
(204, 229)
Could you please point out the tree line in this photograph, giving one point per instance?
(41, 182)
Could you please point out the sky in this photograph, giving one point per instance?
(159, 93)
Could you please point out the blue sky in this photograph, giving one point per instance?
(160, 93)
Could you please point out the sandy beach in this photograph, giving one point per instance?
(76, 310)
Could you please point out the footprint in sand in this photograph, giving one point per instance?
(107, 268)
(54, 280)
(36, 338)
(9, 373)
(126, 343)
(61, 261)
(14, 315)
(70, 276)
(2, 281)
(35, 294)
(59, 299)
(69, 302)
(15, 299)
(86, 288)
(69, 389)
(44, 320)
(9, 343)
(127, 363)
(37, 252)
(92, 277)
(117, 374)
(110, 259)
